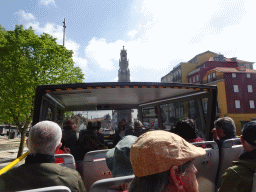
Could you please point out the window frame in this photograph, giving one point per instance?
(237, 104)
(251, 104)
(248, 75)
(209, 77)
(249, 88)
(233, 75)
(236, 88)
(214, 75)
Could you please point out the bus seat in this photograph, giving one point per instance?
(254, 183)
(103, 185)
(49, 189)
(95, 167)
(69, 160)
(230, 151)
(207, 166)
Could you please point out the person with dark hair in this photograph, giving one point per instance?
(187, 132)
(69, 134)
(120, 132)
(89, 140)
(162, 162)
(224, 129)
(40, 169)
(240, 176)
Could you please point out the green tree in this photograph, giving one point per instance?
(26, 61)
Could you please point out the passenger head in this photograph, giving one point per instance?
(185, 130)
(162, 161)
(118, 158)
(225, 127)
(98, 125)
(69, 125)
(44, 137)
(248, 137)
(137, 124)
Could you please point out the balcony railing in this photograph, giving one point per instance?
(212, 79)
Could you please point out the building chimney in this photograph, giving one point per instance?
(233, 59)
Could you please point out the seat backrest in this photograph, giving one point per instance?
(230, 151)
(69, 160)
(207, 166)
(95, 167)
(49, 189)
(104, 184)
(254, 183)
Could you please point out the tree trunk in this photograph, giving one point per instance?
(22, 140)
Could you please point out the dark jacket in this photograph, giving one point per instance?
(40, 171)
(69, 138)
(220, 141)
(239, 177)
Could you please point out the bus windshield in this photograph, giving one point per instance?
(156, 105)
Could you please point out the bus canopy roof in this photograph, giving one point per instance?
(116, 95)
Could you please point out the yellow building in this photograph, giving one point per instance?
(180, 72)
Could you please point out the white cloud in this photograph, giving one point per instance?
(177, 31)
(100, 52)
(25, 16)
(47, 2)
(115, 79)
(132, 33)
(57, 32)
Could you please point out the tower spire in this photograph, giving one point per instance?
(123, 72)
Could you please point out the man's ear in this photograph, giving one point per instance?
(59, 146)
(242, 139)
(175, 177)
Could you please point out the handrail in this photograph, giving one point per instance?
(12, 164)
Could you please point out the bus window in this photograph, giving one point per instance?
(150, 119)
(156, 105)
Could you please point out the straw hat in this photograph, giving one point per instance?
(157, 151)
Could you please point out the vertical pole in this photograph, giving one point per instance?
(64, 26)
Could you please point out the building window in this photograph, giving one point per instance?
(197, 77)
(237, 103)
(190, 81)
(209, 77)
(236, 88)
(252, 106)
(233, 75)
(213, 75)
(194, 79)
(248, 75)
(249, 88)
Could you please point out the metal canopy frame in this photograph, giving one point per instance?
(115, 95)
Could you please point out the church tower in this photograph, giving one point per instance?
(123, 72)
(124, 76)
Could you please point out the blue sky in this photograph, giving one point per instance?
(157, 34)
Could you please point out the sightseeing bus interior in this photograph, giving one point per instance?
(156, 105)
(156, 108)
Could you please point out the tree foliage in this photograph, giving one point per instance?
(26, 61)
